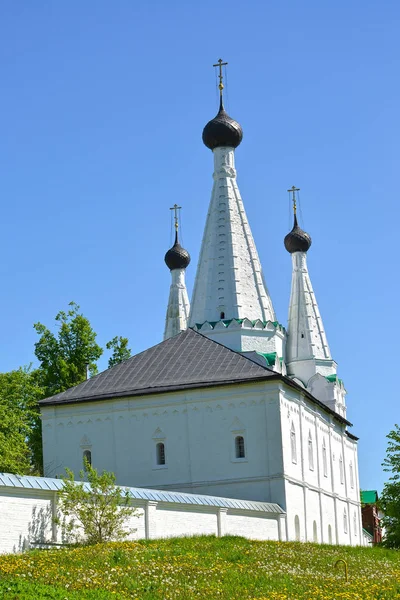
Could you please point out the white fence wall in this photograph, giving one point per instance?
(26, 519)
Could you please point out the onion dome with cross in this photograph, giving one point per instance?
(296, 240)
(222, 130)
(177, 257)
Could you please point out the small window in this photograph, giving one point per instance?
(87, 458)
(239, 447)
(324, 459)
(330, 534)
(315, 532)
(351, 475)
(341, 469)
(293, 444)
(160, 453)
(355, 523)
(297, 528)
(222, 316)
(345, 520)
(302, 335)
(310, 452)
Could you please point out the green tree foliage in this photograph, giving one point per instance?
(119, 346)
(97, 513)
(20, 428)
(65, 357)
(390, 498)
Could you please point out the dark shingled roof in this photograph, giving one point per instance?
(188, 360)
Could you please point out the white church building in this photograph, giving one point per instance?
(231, 403)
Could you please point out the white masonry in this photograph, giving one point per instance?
(229, 281)
(178, 308)
(308, 358)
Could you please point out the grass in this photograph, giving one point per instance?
(201, 567)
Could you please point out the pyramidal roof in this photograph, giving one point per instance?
(187, 360)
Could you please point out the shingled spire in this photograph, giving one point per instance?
(177, 259)
(229, 281)
(308, 357)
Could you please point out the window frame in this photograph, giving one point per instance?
(310, 447)
(234, 457)
(157, 464)
(324, 458)
(293, 444)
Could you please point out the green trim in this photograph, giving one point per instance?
(270, 357)
(227, 322)
(334, 379)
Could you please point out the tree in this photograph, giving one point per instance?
(390, 499)
(20, 428)
(121, 352)
(64, 358)
(97, 513)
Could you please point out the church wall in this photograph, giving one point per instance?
(198, 429)
(317, 454)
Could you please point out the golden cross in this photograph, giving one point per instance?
(294, 189)
(220, 64)
(175, 208)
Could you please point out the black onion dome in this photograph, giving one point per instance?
(297, 240)
(222, 131)
(177, 257)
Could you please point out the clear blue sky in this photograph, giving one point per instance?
(102, 106)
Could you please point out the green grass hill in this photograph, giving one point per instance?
(201, 567)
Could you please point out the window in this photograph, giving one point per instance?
(239, 447)
(330, 534)
(355, 523)
(87, 458)
(310, 452)
(160, 453)
(293, 444)
(297, 528)
(351, 475)
(341, 469)
(345, 520)
(315, 532)
(222, 316)
(324, 459)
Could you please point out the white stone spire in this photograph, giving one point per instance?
(177, 259)
(178, 309)
(230, 300)
(229, 281)
(308, 357)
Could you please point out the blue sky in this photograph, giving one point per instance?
(101, 113)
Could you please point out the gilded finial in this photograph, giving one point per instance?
(220, 64)
(294, 189)
(176, 208)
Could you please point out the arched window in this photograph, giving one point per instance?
(239, 447)
(315, 532)
(330, 534)
(355, 523)
(341, 469)
(293, 444)
(345, 520)
(351, 475)
(160, 453)
(297, 528)
(87, 458)
(310, 452)
(222, 316)
(324, 459)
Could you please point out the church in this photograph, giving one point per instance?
(231, 403)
